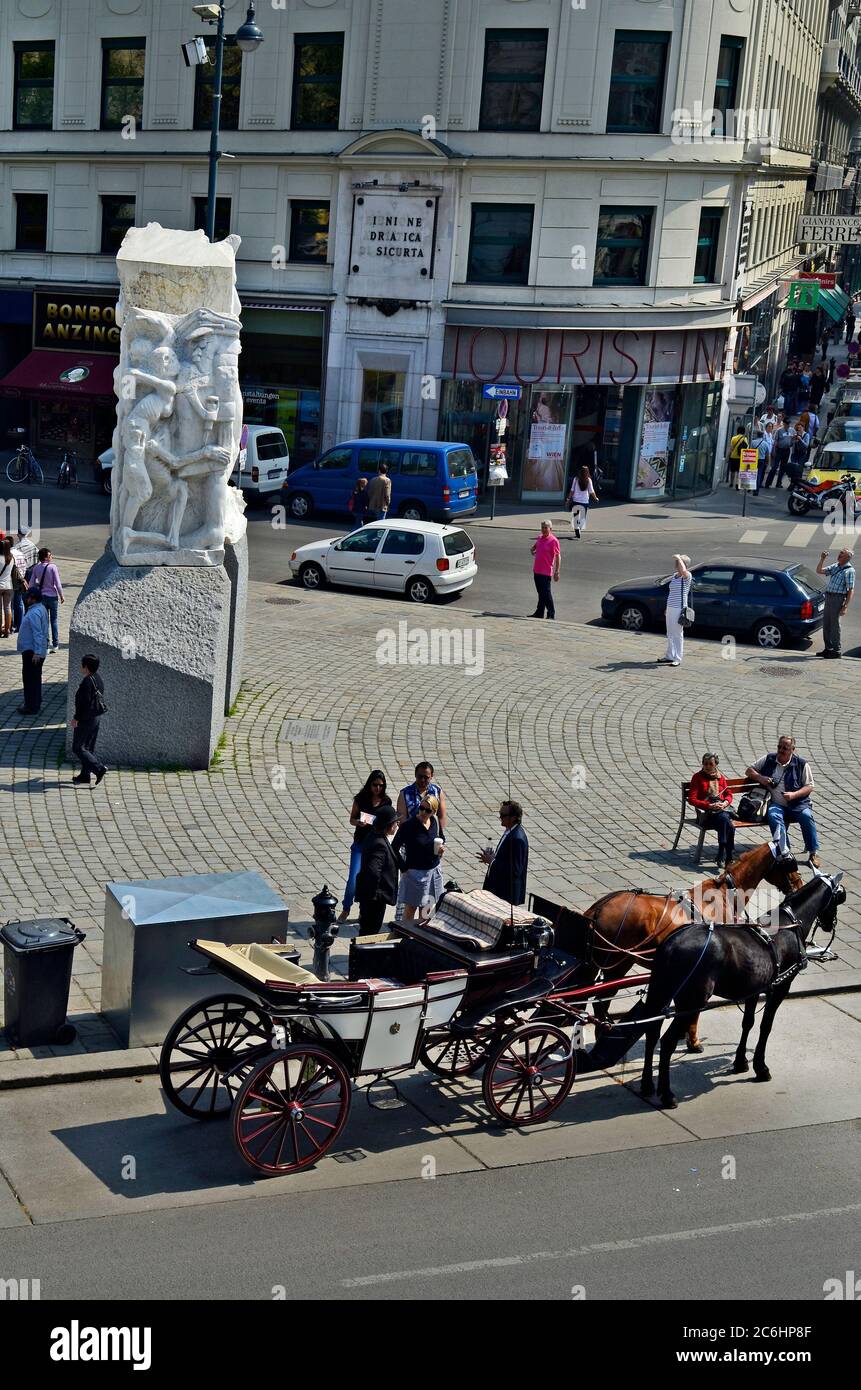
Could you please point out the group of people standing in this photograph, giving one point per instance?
(397, 851)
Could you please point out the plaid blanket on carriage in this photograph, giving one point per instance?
(476, 919)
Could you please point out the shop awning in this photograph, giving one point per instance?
(70, 374)
(835, 303)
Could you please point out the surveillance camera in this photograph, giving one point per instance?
(211, 12)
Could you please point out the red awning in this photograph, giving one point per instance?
(69, 374)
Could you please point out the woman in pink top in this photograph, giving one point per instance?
(545, 571)
(46, 578)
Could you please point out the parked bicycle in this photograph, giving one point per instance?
(68, 469)
(24, 467)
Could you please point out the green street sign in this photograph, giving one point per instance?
(803, 294)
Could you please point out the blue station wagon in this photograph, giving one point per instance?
(770, 602)
(431, 481)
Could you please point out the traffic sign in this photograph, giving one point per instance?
(502, 393)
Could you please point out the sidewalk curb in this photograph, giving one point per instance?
(47, 1073)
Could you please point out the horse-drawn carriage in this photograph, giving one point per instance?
(477, 986)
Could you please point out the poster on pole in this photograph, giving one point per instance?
(747, 471)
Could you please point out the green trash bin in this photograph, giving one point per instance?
(37, 972)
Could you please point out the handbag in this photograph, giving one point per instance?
(687, 616)
(99, 704)
(754, 804)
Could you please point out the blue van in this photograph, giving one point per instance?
(431, 481)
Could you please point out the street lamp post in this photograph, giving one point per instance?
(248, 37)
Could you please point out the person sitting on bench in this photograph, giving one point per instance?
(712, 798)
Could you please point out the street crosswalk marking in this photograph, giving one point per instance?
(753, 537)
(801, 535)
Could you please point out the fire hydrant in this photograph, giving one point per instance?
(324, 930)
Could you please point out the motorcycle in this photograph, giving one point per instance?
(825, 497)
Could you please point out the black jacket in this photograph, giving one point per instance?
(85, 698)
(378, 877)
(506, 876)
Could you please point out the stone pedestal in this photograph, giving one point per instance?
(162, 635)
(148, 925)
(236, 568)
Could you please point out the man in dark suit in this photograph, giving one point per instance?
(506, 876)
(89, 707)
(377, 882)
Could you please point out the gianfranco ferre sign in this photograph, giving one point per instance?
(830, 231)
(72, 318)
(392, 247)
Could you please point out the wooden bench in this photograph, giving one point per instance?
(738, 786)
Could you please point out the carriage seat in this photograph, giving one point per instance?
(475, 919)
(260, 963)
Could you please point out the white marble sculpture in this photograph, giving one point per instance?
(179, 411)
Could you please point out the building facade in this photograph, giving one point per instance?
(434, 198)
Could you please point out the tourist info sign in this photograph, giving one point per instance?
(830, 231)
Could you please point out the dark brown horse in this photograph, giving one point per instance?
(630, 924)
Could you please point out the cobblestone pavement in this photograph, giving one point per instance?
(599, 741)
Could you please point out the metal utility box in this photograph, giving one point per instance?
(148, 925)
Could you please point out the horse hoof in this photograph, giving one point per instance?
(764, 1075)
(669, 1103)
(739, 1067)
(695, 1047)
(646, 1090)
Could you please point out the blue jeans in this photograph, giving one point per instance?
(52, 605)
(352, 875)
(779, 817)
(544, 589)
(17, 610)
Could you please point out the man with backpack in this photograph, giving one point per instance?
(89, 708)
(789, 781)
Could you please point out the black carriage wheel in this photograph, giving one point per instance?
(203, 1047)
(291, 1109)
(449, 1054)
(528, 1074)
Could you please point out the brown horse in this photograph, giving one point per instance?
(629, 925)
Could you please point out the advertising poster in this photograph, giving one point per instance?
(653, 458)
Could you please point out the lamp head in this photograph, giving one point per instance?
(248, 35)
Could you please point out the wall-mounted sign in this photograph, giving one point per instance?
(585, 357)
(803, 294)
(392, 247)
(74, 318)
(830, 231)
(825, 279)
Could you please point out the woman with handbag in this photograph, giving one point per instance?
(89, 707)
(419, 843)
(581, 494)
(711, 797)
(46, 579)
(678, 614)
(7, 580)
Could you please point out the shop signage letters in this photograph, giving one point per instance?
(623, 358)
(65, 319)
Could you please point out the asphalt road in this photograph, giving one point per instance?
(649, 1223)
(75, 524)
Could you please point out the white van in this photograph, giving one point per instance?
(263, 463)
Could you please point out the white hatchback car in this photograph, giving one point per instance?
(421, 559)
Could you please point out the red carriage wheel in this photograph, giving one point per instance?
(528, 1074)
(209, 1051)
(449, 1054)
(291, 1109)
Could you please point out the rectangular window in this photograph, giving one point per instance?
(122, 81)
(118, 214)
(309, 231)
(622, 250)
(317, 66)
(705, 265)
(222, 216)
(500, 241)
(204, 85)
(382, 412)
(513, 85)
(637, 81)
(726, 85)
(31, 221)
(34, 86)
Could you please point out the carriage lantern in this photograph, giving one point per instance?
(324, 930)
